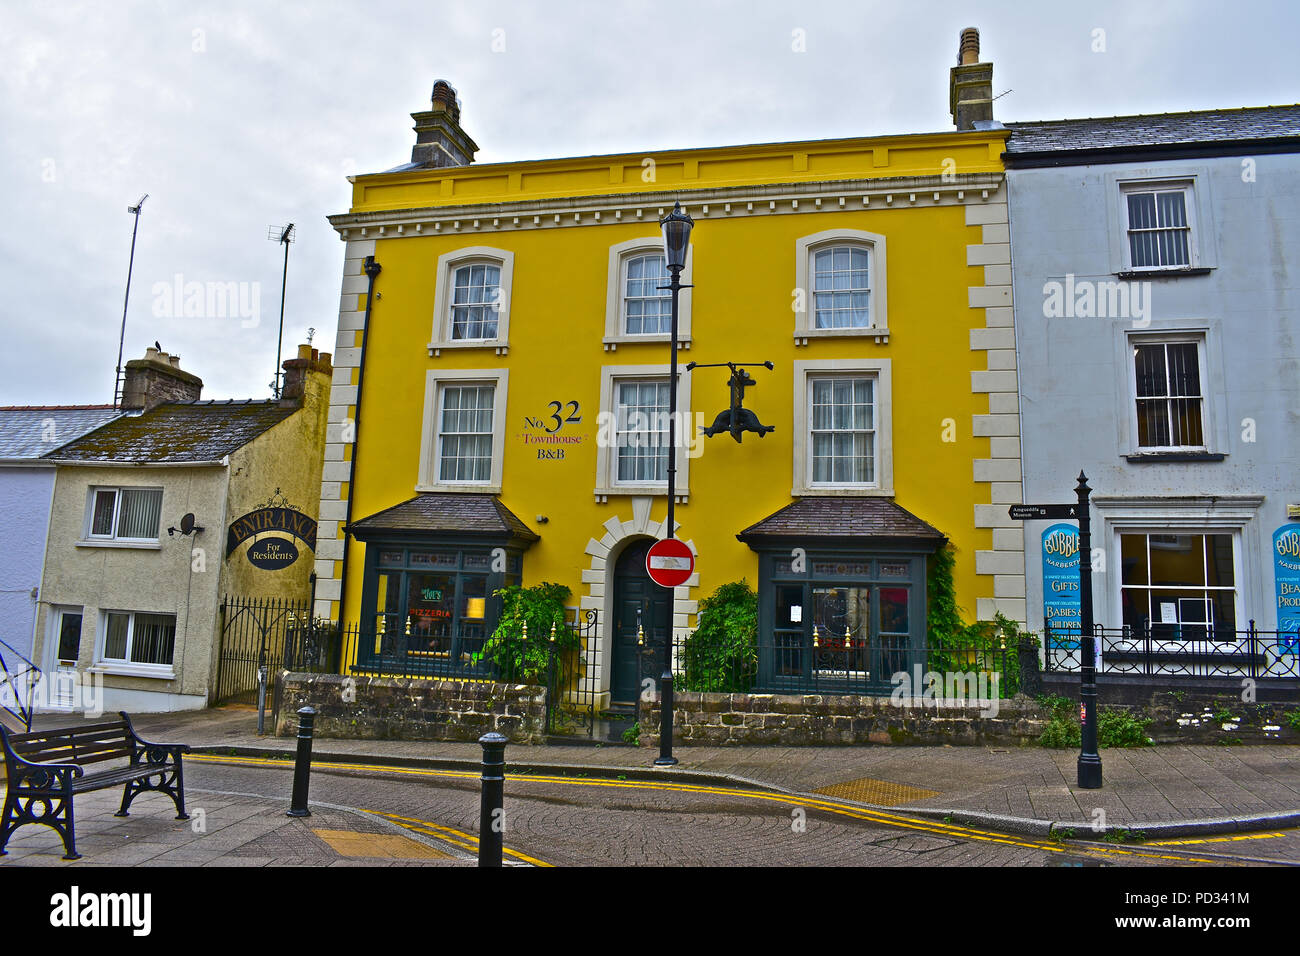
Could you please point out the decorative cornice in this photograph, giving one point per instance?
(847, 195)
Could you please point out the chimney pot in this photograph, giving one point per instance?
(439, 139)
(969, 50)
(970, 85)
(157, 379)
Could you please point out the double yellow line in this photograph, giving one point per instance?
(835, 807)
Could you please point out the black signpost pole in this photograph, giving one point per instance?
(1089, 758)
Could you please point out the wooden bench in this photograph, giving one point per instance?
(45, 771)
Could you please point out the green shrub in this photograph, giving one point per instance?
(1120, 728)
(1293, 718)
(722, 653)
(1115, 728)
(528, 661)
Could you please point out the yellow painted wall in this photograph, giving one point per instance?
(744, 272)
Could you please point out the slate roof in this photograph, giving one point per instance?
(176, 433)
(446, 514)
(842, 517)
(29, 431)
(1248, 124)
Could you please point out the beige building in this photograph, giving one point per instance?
(159, 515)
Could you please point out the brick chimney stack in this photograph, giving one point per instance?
(970, 84)
(297, 369)
(439, 140)
(157, 379)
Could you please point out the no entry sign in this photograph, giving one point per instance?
(669, 563)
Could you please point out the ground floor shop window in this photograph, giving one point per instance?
(430, 604)
(1182, 586)
(851, 620)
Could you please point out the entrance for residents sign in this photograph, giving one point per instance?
(1286, 572)
(1061, 603)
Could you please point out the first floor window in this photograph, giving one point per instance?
(1167, 377)
(476, 302)
(465, 433)
(125, 513)
(641, 431)
(843, 430)
(139, 637)
(1180, 585)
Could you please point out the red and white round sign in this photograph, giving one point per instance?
(669, 563)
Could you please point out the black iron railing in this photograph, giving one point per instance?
(849, 666)
(253, 631)
(1169, 650)
(18, 680)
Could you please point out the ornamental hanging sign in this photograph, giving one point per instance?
(275, 515)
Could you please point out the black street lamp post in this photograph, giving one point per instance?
(1089, 758)
(677, 239)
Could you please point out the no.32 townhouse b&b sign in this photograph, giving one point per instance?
(276, 552)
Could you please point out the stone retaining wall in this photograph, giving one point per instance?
(381, 708)
(799, 720)
(794, 720)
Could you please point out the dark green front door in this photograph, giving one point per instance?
(638, 602)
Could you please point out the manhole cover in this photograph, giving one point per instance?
(880, 792)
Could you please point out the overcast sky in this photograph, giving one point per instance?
(234, 117)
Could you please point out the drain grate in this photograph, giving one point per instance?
(880, 792)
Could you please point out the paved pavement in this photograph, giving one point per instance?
(1161, 791)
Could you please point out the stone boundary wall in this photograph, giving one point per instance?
(381, 708)
(801, 720)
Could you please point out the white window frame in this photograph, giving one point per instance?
(443, 298)
(616, 284)
(802, 297)
(1235, 514)
(430, 443)
(1189, 210)
(90, 539)
(804, 373)
(1234, 533)
(689, 441)
(1186, 338)
(126, 666)
(1195, 181)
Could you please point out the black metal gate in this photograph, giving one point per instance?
(574, 699)
(253, 632)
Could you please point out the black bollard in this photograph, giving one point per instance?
(302, 765)
(666, 758)
(491, 819)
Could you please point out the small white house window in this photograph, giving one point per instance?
(842, 442)
(139, 638)
(1169, 394)
(476, 302)
(638, 305)
(1159, 227)
(462, 438)
(471, 300)
(124, 514)
(465, 433)
(840, 286)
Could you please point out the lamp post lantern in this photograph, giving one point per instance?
(677, 227)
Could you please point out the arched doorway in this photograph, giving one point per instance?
(638, 603)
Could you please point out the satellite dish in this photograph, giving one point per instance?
(187, 523)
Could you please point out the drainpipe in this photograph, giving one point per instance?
(372, 269)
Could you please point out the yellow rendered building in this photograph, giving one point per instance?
(501, 386)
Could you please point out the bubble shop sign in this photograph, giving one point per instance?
(1286, 573)
(1062, 606)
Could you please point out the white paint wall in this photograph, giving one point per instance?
(24, 518)
(1074, 372)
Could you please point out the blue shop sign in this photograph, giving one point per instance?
(1286, 572)
(1061, 604)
